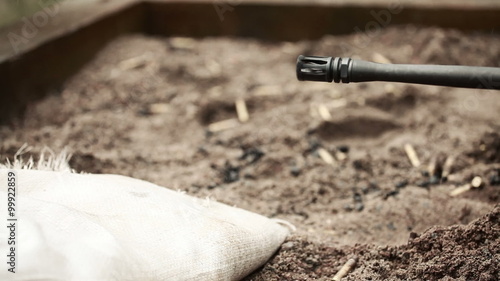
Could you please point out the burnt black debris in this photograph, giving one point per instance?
(230, 173)
(369, 187)
(424, 183)
(252, 155)
(401, 184)
(495, 178)
(390, 194)
(343, 148)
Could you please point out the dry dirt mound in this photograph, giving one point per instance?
(470, 252)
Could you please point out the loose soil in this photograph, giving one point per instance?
(144, 105)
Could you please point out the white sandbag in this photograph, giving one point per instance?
(108, 227)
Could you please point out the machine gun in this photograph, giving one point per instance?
(347, 70)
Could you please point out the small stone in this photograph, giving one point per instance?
(357, 197)
(495, 178)
(369, 187)
(144, 112)
(231, 173)
(423, 183)
(348, 207)
(359, 206)
(343, 148)
(203, 151)
(365, 189)
(288, 245)
(312, 260)
(295, 171)
(314, 144)
(391, 193)
(391, 226)
(362, 165)
(401, 184)
(413, 235)
(434, 180)
(212, 186)
(252, 155)
(249, 176)
(311, 131)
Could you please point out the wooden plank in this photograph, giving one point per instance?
(58, 52)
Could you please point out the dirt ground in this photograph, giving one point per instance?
(146, 108)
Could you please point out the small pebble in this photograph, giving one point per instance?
(343, 148)
(314, 144)
(391, 226)
(144, 112)
(348, 207)
(413, 235)
(212, 186)
(369, 187)
(208, 134)
(313, 260)
(311, 131)
(203, 151)
(434, 180)
(495, 179)
(359, 206)
(365, 189)
(231, 173)
(424, 183)
(391, 193)
(249, 176)
(288, 245)
(357, 197)
(295, 171)
(401, 184)
(252, 155)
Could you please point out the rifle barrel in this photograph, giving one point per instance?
(347, 70)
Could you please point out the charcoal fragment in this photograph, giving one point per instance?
(357, 197)
(495, 178)
(343, 148)
(401, 184)
(231, 173)
(391, 193)
(252, 155)
(423, 183)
